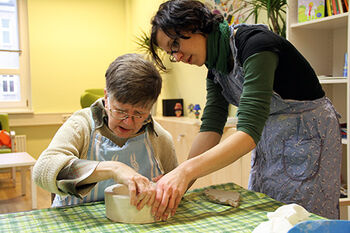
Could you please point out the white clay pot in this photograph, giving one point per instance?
(119, 209)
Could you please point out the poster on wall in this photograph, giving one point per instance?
(310, 10)
(229, 9)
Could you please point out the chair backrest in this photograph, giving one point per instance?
(90, 96)
(4, 121)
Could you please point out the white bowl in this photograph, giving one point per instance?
(119, 209)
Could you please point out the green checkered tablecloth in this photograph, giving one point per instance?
(194, 214)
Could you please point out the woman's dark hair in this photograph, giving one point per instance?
(177, 16)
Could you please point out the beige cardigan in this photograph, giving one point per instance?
(72, 140)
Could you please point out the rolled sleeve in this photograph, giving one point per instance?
(73, 173)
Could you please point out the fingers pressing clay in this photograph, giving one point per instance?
(132, 193)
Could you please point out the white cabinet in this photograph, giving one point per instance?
(324, 43)
(183, 131)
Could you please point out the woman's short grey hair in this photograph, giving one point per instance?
(131, 79)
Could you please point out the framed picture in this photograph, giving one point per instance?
(169, 106)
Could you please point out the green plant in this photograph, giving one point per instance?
(143, 42)
(275, 12)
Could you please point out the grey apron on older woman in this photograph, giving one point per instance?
(298, 157)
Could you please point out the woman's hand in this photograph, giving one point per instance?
(170, 189)
(155, 179)
(141, 190)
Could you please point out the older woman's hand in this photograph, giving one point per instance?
(141, 190)
(170, 189)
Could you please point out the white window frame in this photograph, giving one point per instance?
(5, 30)
(24, 105)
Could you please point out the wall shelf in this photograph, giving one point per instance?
(333, 80)
(329, 22)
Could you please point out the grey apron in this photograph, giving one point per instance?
(298, 157)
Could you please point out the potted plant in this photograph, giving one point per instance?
(275, 13)
(143, 42)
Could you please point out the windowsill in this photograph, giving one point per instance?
(17, 111)
(37, 119)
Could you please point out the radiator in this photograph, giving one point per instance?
(20, 143)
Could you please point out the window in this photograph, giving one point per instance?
(14, 57)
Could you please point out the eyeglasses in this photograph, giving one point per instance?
(121, 115)
(174, 48)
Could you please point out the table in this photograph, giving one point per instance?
(194, 214)
(22, 160)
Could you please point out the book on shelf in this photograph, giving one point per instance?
(340, 6)
(310, 10)
(344, 130)
(346, 4)
(337, 6)
(329, 11)
(345, 69)
(334, 7)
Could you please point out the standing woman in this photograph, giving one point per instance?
(284, 117)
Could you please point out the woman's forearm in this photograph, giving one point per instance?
(103, 171)
(141, 190)
(172, 186)
(203, 142)
(222, 155)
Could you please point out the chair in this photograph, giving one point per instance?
(90, 96)
(4, 125)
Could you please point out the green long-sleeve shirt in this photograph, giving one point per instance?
(270, 64)
(257, 91)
